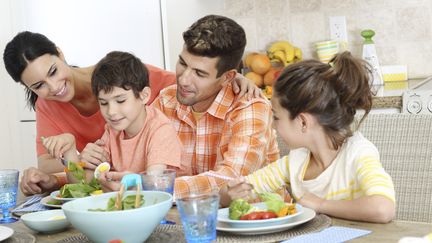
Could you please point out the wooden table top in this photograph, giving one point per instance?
(390, 232)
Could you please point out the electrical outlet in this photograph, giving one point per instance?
(338, 28)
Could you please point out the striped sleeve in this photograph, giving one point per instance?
(372, 177)
(270, 178)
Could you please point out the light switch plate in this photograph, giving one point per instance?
(338, 29)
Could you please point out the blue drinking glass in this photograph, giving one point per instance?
(198, 214)
(8, 194)
(160, 182)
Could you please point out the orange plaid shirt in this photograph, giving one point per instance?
(233, 137)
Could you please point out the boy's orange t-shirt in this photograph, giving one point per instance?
(156, 143)
(54, 118)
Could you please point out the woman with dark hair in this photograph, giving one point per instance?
(61, 94)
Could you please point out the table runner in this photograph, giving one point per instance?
(174, 233)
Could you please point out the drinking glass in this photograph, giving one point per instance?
(160, 182)
(198, 214)
(8, 194)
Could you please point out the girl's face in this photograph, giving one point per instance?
(122, 110)
(49, 77)
(289, 130)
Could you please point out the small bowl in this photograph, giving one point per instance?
(49, 221)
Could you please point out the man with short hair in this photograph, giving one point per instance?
(223, 134)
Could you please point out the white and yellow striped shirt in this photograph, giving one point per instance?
(355, 172)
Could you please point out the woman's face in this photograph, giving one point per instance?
(49, 77)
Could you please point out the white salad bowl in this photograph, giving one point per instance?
(49, 221)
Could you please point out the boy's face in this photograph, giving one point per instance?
(197, 84)
(122, 110)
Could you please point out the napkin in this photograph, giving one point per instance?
(332, 234)
(32, 204)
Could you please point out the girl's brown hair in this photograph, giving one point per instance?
(331, 92)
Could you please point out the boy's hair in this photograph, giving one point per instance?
(119, 69)
(331, 92)
(217, 36)
(20, 51)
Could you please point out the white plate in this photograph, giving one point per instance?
(223, 216)
(5, 232)
(55, 195)
(307, 215)
(45, 201)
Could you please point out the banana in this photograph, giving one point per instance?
(298, 53)
(281, 56)
(284, 52)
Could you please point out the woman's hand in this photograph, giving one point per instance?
(243, 86)
(60, 144)
(234, 189)
(34, 181)
(93, 154)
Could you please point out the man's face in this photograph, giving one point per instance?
(197, 84)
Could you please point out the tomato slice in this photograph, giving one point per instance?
(268, 215)
(251, 216)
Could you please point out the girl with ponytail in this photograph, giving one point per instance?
(330, 168)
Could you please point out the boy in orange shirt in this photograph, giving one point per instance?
(137, 137)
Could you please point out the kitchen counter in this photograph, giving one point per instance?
(390, 95)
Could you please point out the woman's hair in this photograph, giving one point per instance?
(20, 51)
(331, 92)
(119, 69)
(217, 36)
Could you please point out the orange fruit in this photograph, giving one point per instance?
(248, 59)
(260, 63)
(256, 78)
(270, 77)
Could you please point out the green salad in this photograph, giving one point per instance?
(82, 188)
(127, 203)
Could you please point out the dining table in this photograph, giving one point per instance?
(390, 232)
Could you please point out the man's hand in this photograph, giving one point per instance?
(35, 181)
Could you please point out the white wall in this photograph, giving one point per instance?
(178, 16)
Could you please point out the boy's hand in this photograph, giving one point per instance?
(111, 181)
(60, 144)
(234, 189)
(93, 154)
(243, 86)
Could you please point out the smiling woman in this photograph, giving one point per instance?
(60, 94)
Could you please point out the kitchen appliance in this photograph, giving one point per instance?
(418, 99)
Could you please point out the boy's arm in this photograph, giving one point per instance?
(245, 153)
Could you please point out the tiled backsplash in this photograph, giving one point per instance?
(403, 27)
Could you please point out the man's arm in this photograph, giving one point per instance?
(246, 152)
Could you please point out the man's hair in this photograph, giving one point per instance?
(217, 36)
(119, 69)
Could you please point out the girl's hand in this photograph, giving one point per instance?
(243, 86)
(60, 144)
(311, 201)
(93, 154)
(111, 181)
(234, 189)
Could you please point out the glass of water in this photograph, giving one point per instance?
(160, 182)
(198, 214)
(8, 194)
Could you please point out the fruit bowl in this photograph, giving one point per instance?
(133, 225)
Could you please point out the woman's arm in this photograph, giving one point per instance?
(49, 165)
